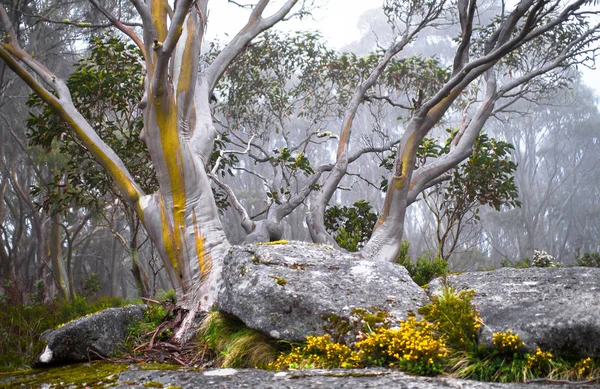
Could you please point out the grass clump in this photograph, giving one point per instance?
(454, 317)
(231, 344)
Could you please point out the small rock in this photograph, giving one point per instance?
(92, 337)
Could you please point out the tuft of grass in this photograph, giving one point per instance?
(232, 344)
(454, 317)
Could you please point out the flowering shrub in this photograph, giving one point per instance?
(540, 362)
(584, 366)
(412, 347)
(319, 351)
(454, 316)
(507, 341)
(543, 259)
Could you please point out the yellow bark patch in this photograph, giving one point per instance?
(159, 18)
(441, 107)
(344, 135)
(166, 120)
(204, 259)
(406, 159)
(187, 68)
(275, 242)
(167, 233)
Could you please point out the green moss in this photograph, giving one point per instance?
(279, 280)
(153, 384)
(158, 366)
(91, 375)
(336, 326)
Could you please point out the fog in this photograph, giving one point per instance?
(555, 133)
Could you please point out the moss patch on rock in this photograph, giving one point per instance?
(90, 375)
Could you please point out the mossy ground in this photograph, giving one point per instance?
(88, 375)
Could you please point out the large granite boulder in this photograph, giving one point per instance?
(92, 337)
(555, 309)
(290, 290)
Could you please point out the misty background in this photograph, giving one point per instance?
(555, 134)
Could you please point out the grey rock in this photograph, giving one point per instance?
(555, 309)
(288, 290)
(92, 337)
(330, 379)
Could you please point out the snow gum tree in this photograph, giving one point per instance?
(181, 217)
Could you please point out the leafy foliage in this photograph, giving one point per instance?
(351, 226)
(424, 269)
(486, 178)
(106, 88)
(587, 259)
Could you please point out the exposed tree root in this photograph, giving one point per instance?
(162, 347)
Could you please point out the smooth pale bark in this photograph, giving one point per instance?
(59, 269)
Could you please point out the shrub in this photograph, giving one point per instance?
(543, 259)
(351, 226)
(424, 269)
(539, 363)
(583, 367)
(413, 347)
(91, 284)
(587, 259)
(507, 341)
(318, 352)
(455, 317)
